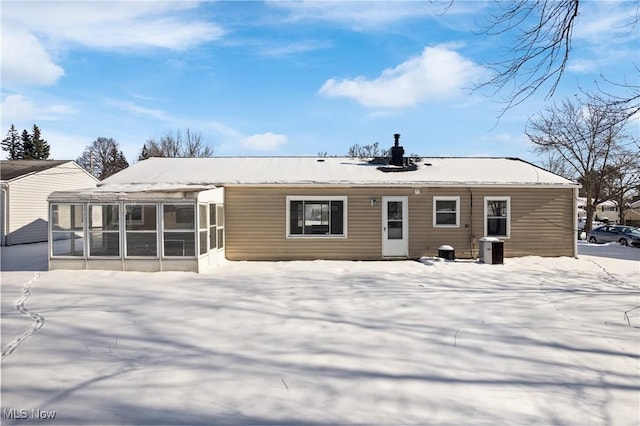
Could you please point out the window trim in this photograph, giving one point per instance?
(203, 226)
(125, 254)
(437, 198)
(164, 230)
(118, 231)
(220, 226)
(345, 216)
(486, 218)
(82, 231)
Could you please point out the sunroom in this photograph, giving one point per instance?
(150, 228)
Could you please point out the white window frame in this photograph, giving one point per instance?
(118, 231)
(164, 231)
(72, 230)
(126, 231)
(203, 226)
(435, 211)
(220, 224)
(486, 218)
(345, 216)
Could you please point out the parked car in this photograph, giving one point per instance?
(625, 235)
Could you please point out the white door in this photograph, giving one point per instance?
(395, 235)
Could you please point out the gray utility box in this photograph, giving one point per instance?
(491, 250)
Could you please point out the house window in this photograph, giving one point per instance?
(141, 230)
(317, 216)
(179, 237)
(67, 230)
(104, 230)
(497, 213)
(446, 211)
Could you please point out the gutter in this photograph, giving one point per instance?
(422, 184)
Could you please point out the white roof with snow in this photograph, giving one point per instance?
(221, 171)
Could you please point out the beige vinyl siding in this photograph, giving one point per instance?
(460, 238)
(542, 221)
(256, 228)
(632, 217)
(27, 200)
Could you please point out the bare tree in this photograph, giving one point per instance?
(554, 162)
(622, 180)
(624, 95)
(172, 144)
(539, 49)
(541, 45)
(588, 138)
(366, 151)
(103, 158)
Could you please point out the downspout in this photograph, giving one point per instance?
(576, 231)
(4, 213)
(470, 223)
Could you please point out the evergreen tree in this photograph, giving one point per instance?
(144, 154)
(41, 147)
(13, 144)
(115, 162)
(28, 153)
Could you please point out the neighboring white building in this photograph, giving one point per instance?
(632, 217)
(25, 186)
(605, 211)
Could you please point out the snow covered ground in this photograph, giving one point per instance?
(533, 341)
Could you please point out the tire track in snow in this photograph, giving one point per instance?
(38, 320)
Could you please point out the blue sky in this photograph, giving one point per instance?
(281, 77)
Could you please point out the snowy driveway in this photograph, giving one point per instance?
(534, 341)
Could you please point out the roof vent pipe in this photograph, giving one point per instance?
(397, 152)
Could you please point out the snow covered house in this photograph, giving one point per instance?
(632, 217)
(25, 186)
(187, 214)
(606, 211)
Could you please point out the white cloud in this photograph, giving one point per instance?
(264, 142)
(157, 114)
(295, 48)
(24, 59)
(605, 36)
(66, 146)
(114, 24)
(503, 139)
(223, 130)
(439, 73)
(18, 109)
(376, 15)
(33, 32)
(604, 21)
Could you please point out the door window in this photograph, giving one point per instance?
(394, 220)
